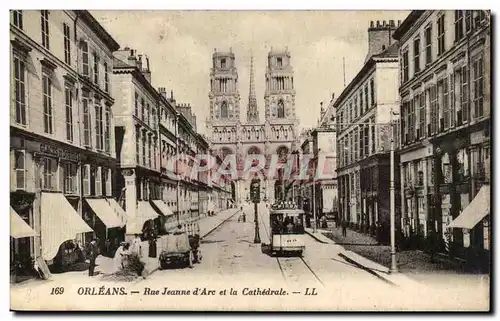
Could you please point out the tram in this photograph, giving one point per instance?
(287, 229)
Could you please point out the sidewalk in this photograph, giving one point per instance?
(366, 252)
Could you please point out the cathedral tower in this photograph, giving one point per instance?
(252, 110)
(280, 92)
(224, 96)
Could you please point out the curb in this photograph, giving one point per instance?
(317, 238)
(367, 269)
(217, 226)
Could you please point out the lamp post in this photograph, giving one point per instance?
(393, 268)
(255, 196)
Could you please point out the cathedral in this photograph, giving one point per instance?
(277, 135)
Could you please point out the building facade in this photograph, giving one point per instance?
(62, 168)
(445, 126)
(365, 111)
(230, 136)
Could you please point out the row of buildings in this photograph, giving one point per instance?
(425, 85)
(91, 140)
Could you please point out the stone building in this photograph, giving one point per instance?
(445, 149)
(364, 111)
(62, 140)
(277, 135)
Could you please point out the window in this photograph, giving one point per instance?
(361, 105)
(85, 59)
(411, 120)
(86, 179)
(445, 104)
(372, 92)
(44, 19)
(20, 90)
(464, 97)
(434, 109)
(440, 37)
(478, 87)
(279, 62)
(154, 121)
(149, 151)
(421, 115)
(468, 20)
(17, 16)
(224, 112)
(373, 135)
(96, 69)
(106, 77)
(355, 144)
(148, 112)
(144, 148)
(47, 104)
(367, 106)
(459, 25)
(87, 120)
(479, 16)
(405, 65)
(107, 181)
(107, 130)
(98, 181)
(143, 109)
(223, 63)
(137, 144)
(67, 44)
(354, 109)
(49, 170)
(98, 126)
(281, 109)
(68, 93)
(416, 55)
(70, 178)
(136, 104)
(366, 137)
(428, 44)
(20, 169)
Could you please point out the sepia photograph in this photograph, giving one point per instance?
(245, 160)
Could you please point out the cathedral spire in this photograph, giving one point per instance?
(252, 111)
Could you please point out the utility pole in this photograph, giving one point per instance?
(393, 268)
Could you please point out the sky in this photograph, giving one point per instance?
(180, 45)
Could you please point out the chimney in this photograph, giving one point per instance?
(172, 94)
(146, 72)
(139, 62)
(163, 92)
(372, 24)
(132, 60)
(380, 37)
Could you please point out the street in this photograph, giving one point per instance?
(234, 264)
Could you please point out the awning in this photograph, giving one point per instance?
(119, 211)
(59, 223)
(145, 212)
(104, 211)
(18, 227)
(475, 211)
(166, 211)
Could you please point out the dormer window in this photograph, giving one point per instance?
(223, 63)
(279, 62)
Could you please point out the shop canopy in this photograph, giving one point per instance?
(475, 211)
(18, 227)
(163, 207)
(103, 210)
(119, 211)
(145, 212)
(59, 223)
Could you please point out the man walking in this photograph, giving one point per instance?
(344, 228)
(93, 252)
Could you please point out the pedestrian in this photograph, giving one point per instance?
(136, 245)
(93, 252)
(118, 258)
(344, 228)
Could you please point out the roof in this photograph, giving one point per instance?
(98, 29)
(407, 23)
(389, 54)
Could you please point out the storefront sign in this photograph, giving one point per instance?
(58, 152)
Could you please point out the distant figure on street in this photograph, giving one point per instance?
(93, 253)
(344, 228)
(136, 245)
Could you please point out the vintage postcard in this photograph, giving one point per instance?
(250, 160)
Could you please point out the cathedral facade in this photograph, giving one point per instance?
(277, 135)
